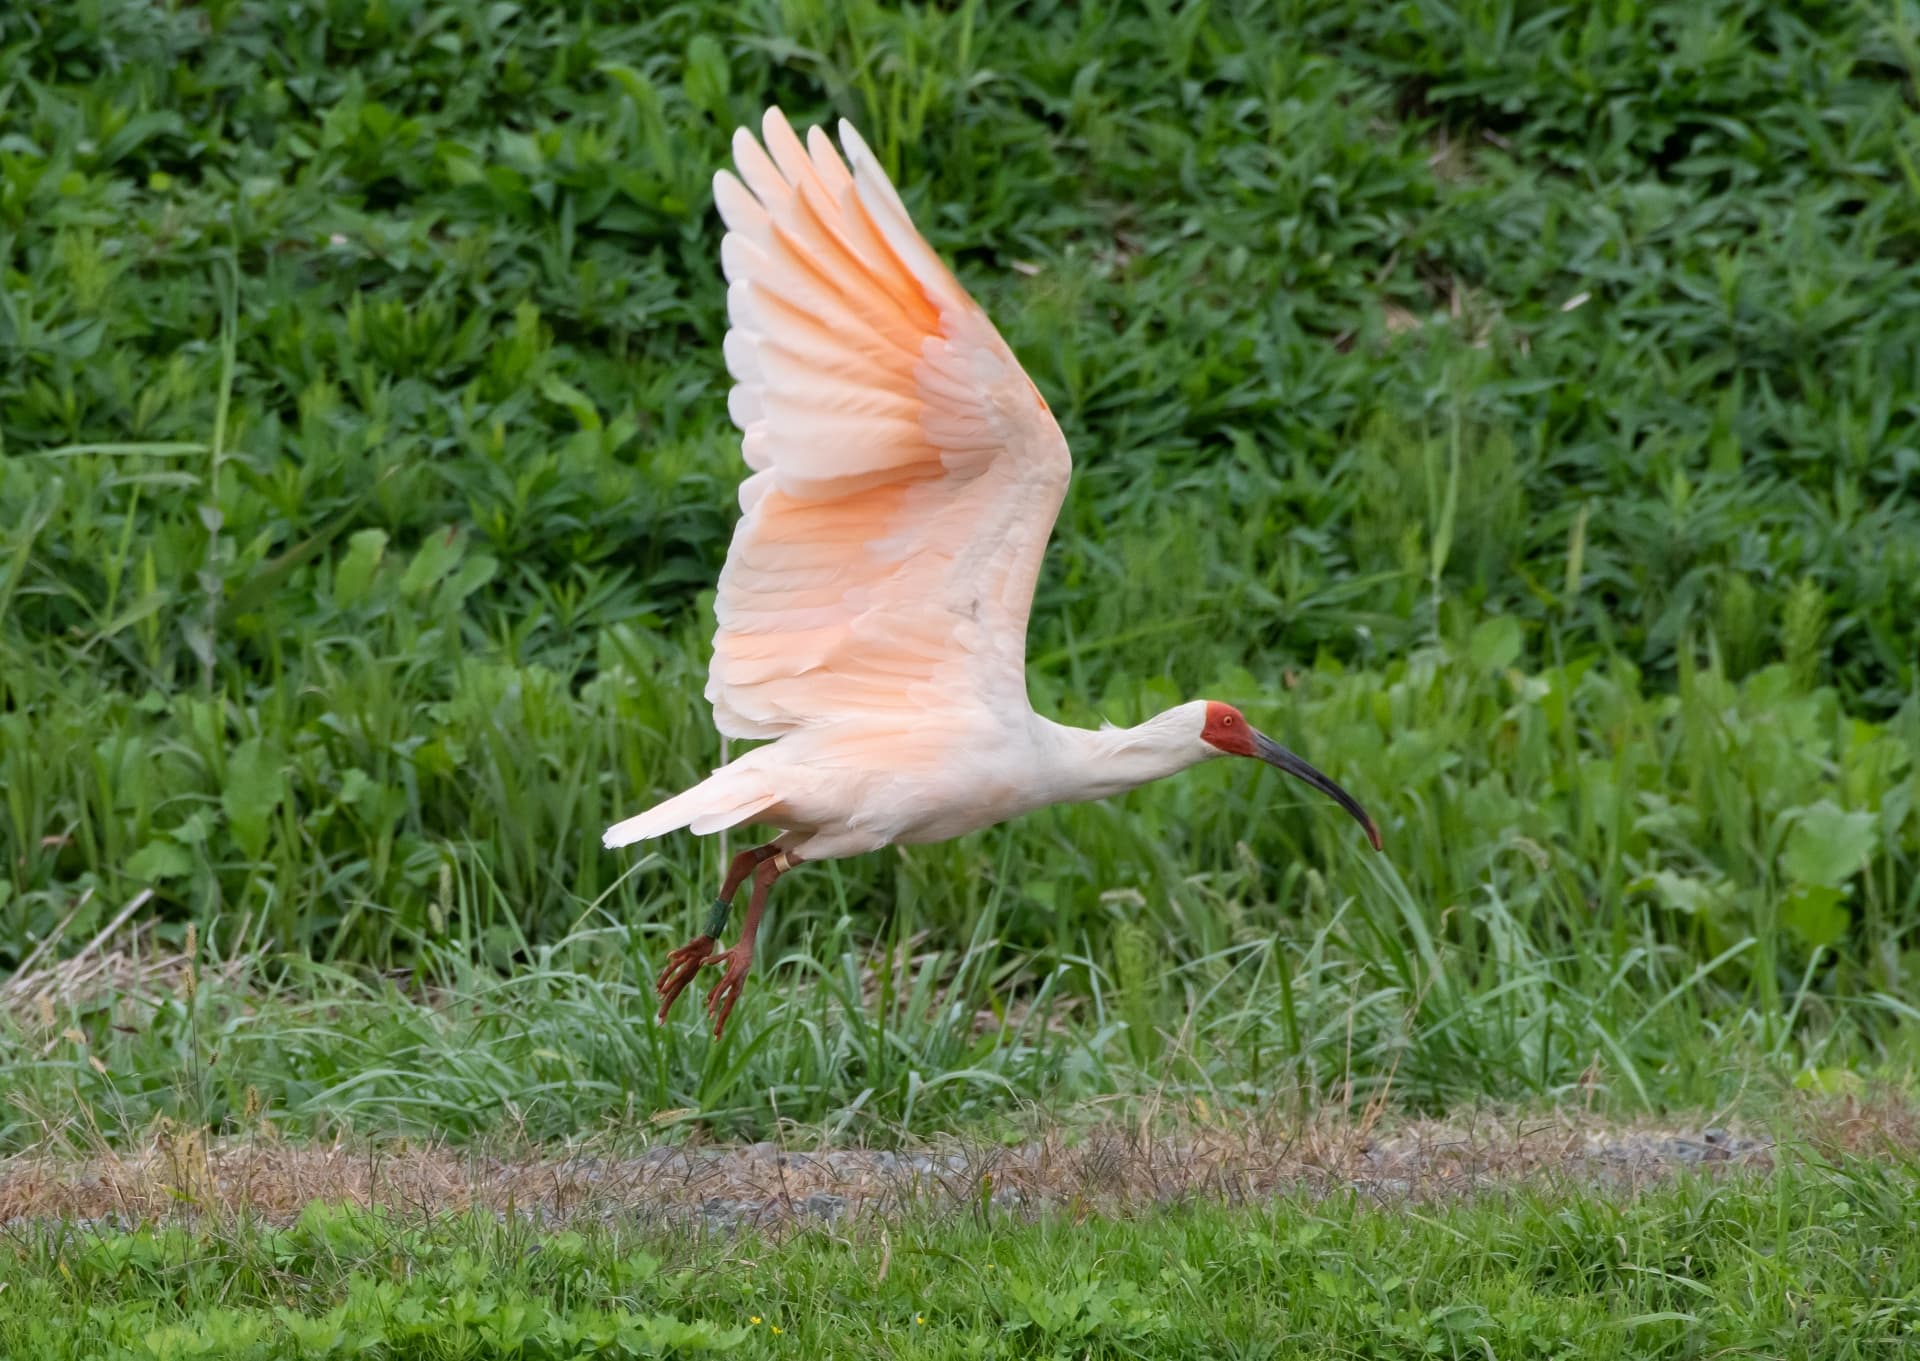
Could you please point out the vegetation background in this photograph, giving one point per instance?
(1514, 407)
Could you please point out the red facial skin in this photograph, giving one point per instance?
(1228, 731)
(1227, 728)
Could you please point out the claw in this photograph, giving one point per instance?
(720, 1001)
(682, 965)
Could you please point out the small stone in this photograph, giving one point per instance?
(823, 1205)
(1684, 1150)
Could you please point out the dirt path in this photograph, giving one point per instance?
(1103, 1169)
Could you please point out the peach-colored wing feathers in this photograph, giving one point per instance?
(906, 471)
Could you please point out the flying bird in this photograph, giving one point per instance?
(872, 612)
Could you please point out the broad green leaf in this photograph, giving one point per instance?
(474, 573)
(1830, 1082)
(355, 572)
(1829, 845)
(356, 785)
(1684, 894)
(1814, 914)
(707, 78)
(158, 860)
(635, 85)
(564, 394)
(256, 782)
(665, 1333)
(1495, 644)
(435, 557)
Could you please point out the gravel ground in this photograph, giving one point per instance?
(1101, 1170)
(762, 1183)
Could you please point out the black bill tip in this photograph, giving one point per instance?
(1280, 758)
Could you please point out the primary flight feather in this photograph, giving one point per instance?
(873, 608)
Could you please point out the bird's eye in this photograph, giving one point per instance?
(1226, 722)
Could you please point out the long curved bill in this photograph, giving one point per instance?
(1280, 758)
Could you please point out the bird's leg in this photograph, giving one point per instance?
(688, 960)
(740, 958)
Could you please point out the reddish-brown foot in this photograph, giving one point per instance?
(682, 965)
(732, 983)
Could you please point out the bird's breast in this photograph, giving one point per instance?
(946, 814)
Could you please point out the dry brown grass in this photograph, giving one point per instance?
(1103, 1169)
(130, 970)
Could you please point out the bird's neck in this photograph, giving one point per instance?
(1085, 764)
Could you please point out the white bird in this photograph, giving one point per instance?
(873, 608)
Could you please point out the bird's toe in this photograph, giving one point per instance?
(726, 993)
(681, 967)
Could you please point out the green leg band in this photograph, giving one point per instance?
(717, 919)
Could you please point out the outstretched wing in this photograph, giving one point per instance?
(906, 470)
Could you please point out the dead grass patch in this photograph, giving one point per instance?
(1104, 1169)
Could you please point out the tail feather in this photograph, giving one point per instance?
(724, 799)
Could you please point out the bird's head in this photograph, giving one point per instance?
(1226, 731)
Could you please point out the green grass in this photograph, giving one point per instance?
(840, 1047)
(1517, 409)
(1812, 1261)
